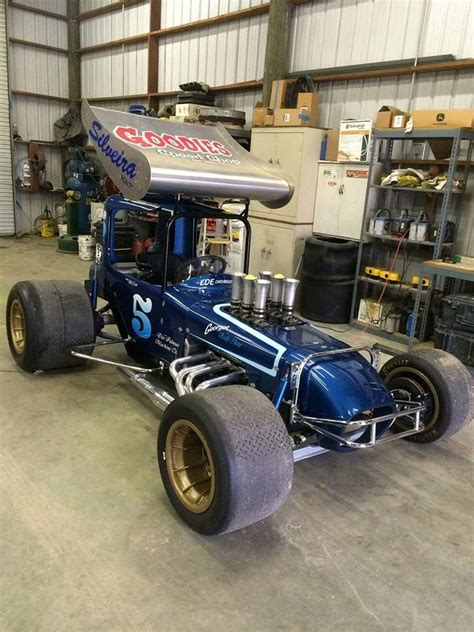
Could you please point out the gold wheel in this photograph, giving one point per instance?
(17, 326)
(190, 466)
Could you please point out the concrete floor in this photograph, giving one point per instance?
(376, 540)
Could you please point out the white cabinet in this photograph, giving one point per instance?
(276, 246)
(297, 151)
(340, 197)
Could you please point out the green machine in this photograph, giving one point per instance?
(68, 244)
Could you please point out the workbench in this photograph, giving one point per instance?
(433, 270)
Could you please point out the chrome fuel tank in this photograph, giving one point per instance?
(145, 155)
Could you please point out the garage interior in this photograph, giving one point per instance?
(366, 107)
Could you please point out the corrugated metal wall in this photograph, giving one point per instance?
(221, 54)
(88, 5)
(118, 71)
(344, 32)
(56, 6)
(117, 25)
(43, 72)
(332, 33)
(227, 53)
(7, 214)
(218, 55)
(174, 13)
(324, 33)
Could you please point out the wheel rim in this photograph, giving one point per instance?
(413, 385)
(17, 326)
(190, 466)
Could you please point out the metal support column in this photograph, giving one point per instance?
(277, 50)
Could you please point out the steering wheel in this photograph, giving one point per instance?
(207, 264)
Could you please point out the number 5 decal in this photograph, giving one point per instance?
(141, 323)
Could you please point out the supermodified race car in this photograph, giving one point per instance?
(246, 386)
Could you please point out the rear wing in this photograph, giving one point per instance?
(144, 155)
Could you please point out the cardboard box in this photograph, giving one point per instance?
(304, 115)
(354, 140)
(399, 121)
(278, 94)
(332, 144)
(444, 119)
(269, 120)
(385, 116)
(188, 110)
(295, 117)
(259, 115)
(370, 311)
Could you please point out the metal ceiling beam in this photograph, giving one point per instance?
(48, 14)
(109, 8)
(53, 49)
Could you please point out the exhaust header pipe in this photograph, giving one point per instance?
(289, 296)
(262, 289)
(160, 398)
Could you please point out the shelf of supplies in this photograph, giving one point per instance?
(415, 189)
(25, 190)
(425, 133)
(391, 284)
(424, 161)
(431, 244)
(373, 329)
(48, 143)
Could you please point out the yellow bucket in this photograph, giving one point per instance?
(47, 227)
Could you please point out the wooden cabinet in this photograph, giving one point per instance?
(277, 246)
(340, 197)
(297, 151)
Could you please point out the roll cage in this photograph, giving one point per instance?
(176, 235)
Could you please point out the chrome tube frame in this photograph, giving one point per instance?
(76, 351)
(412, 410)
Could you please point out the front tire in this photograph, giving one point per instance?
(225, 458)
(45, 319)
(439, 380)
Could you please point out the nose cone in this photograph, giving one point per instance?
(342, 388)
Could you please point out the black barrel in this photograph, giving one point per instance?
(330, 258)
(326, 301)
(329, 266)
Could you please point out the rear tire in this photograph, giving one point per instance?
(439, 379)
(225, 458)
(45, 319)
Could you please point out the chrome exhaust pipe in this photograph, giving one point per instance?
(236, 295)
(197, 371)
(262, 289)
(289, 297)
(276, 292)
(228, 378)
(158, 396)
(248, 291)
(177, 365)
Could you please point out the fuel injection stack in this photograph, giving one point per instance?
(268, 299)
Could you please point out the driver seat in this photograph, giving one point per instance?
(151, 266)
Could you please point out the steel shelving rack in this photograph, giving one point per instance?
(451, 203)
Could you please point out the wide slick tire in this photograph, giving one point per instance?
(225, 458)
(439, 380)
(45, 320)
